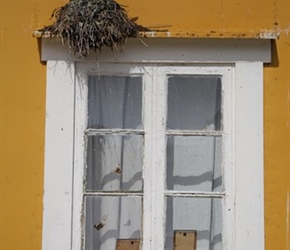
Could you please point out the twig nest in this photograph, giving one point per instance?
(92, 24)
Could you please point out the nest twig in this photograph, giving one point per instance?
(92, 24)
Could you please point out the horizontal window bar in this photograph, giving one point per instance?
(166, 193)
(195, 194)
(141, 132)
(113, 131)
(194, 132)
(106, 193)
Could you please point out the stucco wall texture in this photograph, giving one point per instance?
(23, 102)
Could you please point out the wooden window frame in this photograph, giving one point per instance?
(246, 199)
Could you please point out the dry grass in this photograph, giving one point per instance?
(92, 24)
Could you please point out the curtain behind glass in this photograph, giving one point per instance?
(194, 163)
(115, 102)
(114, 161)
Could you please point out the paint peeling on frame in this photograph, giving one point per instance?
(264, 34)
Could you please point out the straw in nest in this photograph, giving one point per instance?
(92, 24)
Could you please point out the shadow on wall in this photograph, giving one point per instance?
(274, 56)
(39, 47)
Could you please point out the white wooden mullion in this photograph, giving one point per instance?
(81, 98)
(148, 202)
(228, 156)
(58, 182)
(159, 158)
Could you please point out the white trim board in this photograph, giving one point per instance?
(59, 138)
(249, 171)
(169, 50)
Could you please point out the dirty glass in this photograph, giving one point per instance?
(194, 102)
(115, 102)
(194, 163)
(110, 218)
(114, 163)
(203, 215)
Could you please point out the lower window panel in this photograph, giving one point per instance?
(108, 219)
(200, 215)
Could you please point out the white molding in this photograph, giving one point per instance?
(249, 172)
(59, 133)
(169, 50)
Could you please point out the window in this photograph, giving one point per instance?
(146, 151)
(155, 141)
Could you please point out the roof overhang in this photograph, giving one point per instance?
(168, 50)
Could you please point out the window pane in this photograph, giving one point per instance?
(109, 219)
(194, 102)
(114, 162)
(115, 102)
(194, 163)
(204, 215)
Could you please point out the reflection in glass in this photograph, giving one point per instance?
(115, 102)
(201, 214)
(194, 163)
(110, 218)
(114, 162)
(194, 102)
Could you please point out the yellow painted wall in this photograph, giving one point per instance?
(23, 103)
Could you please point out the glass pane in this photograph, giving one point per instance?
(194, 163)
(114, 162)
(111, 218)
(115, 102)
(194, 102)
(204, 215)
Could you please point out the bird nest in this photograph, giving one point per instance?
(92, 24)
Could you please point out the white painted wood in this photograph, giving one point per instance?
(158, 155)
(226, 72)
(113, 131)
(195, 194)
(167, 50)
(81, 117)
(148, 202)
(80, 123)
(193, 132)
(121, 193)
(59, 132)
(242, 90)
(228, 104)
(249, 172)
(167, 193)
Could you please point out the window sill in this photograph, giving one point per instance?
(210, 34)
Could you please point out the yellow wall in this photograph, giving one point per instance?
(23, 103)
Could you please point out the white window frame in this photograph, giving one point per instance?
(63, 140)
(155, 88)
